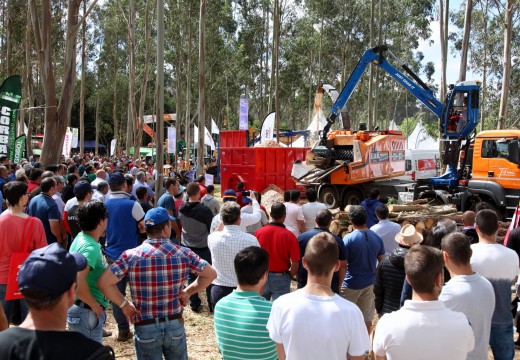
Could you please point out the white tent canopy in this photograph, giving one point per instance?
(393, 126)
(419, 139)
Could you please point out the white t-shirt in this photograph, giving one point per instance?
(499, 265)
(293, 213)
(425, 330)
(387, 230)
(309, 213)
(473, 296)
(317, 327)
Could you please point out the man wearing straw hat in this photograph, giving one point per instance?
(390, 272)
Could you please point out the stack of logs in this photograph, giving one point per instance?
(418, 213)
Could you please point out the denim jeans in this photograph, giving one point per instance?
(162, 338)
(9, 304)
(119, 316)
(195, 301)
(122, 322)
(86, 321)
(501, 342)
(218, 292)
(277, 285)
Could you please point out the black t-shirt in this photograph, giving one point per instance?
(23, 344)
(72, 219)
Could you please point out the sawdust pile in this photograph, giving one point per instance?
(268, 144)
(270, 195)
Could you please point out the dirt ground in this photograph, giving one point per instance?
(199, 334)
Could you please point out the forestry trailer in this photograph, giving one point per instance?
(344, 165)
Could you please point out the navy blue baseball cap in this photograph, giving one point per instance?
(157, 216)
(229, 195)
(51, 271)
(116, 178)
(82, 188)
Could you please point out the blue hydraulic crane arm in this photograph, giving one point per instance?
(376, 55)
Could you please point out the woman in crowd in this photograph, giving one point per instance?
(20, 233)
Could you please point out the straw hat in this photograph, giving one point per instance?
(408, 236)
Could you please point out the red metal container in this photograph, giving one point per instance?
(257, 167)
(233, 138)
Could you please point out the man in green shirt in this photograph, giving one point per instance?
(87, 315)
(241, 317)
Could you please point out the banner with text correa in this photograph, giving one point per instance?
(10, 97)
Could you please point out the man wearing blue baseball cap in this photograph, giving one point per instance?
(47, 280)
(157, 271)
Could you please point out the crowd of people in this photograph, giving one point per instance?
(87, 229)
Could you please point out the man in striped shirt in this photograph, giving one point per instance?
(241, 317)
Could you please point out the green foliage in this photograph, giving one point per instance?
(321, 42)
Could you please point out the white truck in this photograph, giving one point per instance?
(421, 164)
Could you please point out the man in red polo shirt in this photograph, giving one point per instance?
(284, 253)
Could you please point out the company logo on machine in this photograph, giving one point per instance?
(506, 172)
(398, 156)
(379, 156)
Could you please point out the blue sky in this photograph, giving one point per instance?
(433, 52)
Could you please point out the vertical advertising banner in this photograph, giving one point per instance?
(19, 147)
(172, 134)
(113, 147)
(267, 132)
(75, 134)
(67, 143)
(10, 97)
(243, 123)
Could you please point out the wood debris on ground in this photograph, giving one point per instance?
(418, 213)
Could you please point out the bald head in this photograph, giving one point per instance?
(101, 174)
(468, 218)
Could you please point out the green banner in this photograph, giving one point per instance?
(19, 147)
(10, 97)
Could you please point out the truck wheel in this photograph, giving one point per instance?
(329, 196)
(352, 197)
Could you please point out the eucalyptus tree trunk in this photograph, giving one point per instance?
(82, 88)
(29, 83)
(202, 86)
(484, 68)
(97, 124)
(506, 72)
(371, 69)
(274, 60)
(188, 92)
(465, 40)
(378, 72)
(115, 120)
(132, 116)
(56, 118)
(159, 94)
(444, 9)
(138, 130)
(275, 72)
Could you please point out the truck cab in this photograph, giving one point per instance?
(493, 173)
